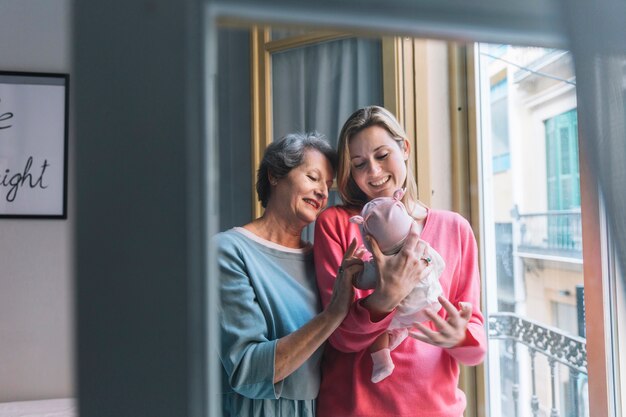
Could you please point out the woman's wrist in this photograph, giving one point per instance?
(332, 316)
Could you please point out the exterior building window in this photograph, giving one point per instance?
(562, 161)
(563, 178)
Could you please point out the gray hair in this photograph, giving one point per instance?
(287, 153)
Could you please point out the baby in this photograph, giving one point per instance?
(388, 221)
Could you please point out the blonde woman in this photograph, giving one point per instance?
(373, 162)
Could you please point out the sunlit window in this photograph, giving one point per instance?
(537, 361)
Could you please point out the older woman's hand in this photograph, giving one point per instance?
(399, 274)
(451, 331)
(343, 291)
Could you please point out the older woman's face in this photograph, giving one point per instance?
(303, 193)
(377, 163)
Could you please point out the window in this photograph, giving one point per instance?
(533, 263)
(563, 180)
(562, 159)
(532, 219)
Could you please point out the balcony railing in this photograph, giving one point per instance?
(557, 347)
(552, 233)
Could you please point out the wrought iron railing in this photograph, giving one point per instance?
(555, 233)
(555, 345)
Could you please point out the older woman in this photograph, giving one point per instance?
(271, 325)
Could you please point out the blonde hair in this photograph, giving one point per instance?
(351, 195)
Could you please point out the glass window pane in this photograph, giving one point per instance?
(533, 220)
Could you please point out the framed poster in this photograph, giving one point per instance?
(33, 145)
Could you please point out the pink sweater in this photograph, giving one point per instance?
(424, 381)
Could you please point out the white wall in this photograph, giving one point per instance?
(36, 298)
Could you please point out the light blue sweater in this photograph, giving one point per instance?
(267, 291)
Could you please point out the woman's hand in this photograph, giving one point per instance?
(399, 274)
(451, 331)
(343, 291)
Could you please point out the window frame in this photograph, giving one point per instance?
(541, 27)
(596, 292)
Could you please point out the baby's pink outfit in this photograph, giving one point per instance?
(387, 220)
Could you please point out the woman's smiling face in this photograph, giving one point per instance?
(377, 163)
(303, 193)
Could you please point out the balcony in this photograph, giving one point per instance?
(555, 234)
(532, 358)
